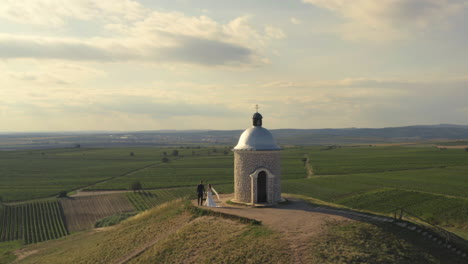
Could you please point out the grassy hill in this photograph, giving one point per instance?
(172, 234)
(163, 233)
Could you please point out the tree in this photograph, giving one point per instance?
(62, 194)
(165, 160)
(466, 149)
(164, 153)
(1, 199)
(136, 186)
(132, 154)
(175, 153)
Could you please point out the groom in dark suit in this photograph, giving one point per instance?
(201, 192)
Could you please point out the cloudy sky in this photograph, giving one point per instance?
(68, 65)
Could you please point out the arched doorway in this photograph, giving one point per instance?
(262, 187)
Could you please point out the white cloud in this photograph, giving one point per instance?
(390, 19)
(274, 32)
(295, 21)
(159, 38)
(358, 102)
(57, 12)
(46, 74)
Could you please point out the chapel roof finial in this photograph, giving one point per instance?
(257, 117)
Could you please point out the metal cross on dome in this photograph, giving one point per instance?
(256, 107)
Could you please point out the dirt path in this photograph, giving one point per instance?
(121, 175)
(91, 193)
(297, 220)
(452, 147)
(309, 169)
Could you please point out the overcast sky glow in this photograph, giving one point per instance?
(204, 64)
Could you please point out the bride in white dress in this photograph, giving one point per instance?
(209, 197)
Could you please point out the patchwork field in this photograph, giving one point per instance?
(33, 174)
(427, 182)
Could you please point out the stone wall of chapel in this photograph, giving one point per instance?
(246, 163)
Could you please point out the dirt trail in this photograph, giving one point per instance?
(297, 220)
(309, 169)
(102, 192)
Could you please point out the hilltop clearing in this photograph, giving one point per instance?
(154, 231)
(290, 233)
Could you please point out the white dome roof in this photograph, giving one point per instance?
(256, 138)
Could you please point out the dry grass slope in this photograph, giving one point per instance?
(109, 245)
(172, 234)
(217, 240)
(165, 234)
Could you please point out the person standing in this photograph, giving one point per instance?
(209, 197)
(201, 192)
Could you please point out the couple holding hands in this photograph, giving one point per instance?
(209, 195)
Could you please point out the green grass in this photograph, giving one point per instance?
(437, 209)
(113, 219)
(348, 160)
(186, 171)
(6, 249)
(436, 195)
(145, 200)
(215, 168)
(33, 174)
(447, 181)
(360, 242)
(454, 143)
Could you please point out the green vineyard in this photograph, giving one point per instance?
(147, 199)
(32, 222)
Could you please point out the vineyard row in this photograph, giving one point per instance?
(32, 222)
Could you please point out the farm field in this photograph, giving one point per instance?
(34, 174)
(186, 171)
(421, 179)
(215, 168)
(82, 212)
(148, 199)
(31, 222)
(347, 160)
(34, 222)
(437, 195)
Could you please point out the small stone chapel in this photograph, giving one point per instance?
(257, 166)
